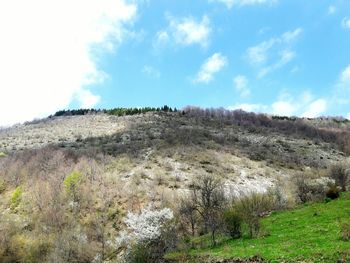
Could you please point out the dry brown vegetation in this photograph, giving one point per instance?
(66, 183)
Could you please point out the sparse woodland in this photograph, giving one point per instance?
(152, 185)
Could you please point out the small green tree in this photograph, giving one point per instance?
(16, 197)
(71, 184)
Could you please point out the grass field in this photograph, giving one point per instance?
(310, 233)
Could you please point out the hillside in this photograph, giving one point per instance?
(177, 146)
(75, 178)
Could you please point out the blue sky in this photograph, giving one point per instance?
(286, 57)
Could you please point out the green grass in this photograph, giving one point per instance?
(309, 233)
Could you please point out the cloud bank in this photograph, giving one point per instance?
(48, 53)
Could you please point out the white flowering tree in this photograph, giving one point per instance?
(145, 235)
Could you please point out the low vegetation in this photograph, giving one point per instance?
(138, 185)
(310, 233)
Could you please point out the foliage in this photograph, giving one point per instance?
(76, 112)
(233, 223)
(115, 111)
(2, 154)
(71, 184)
(16, 197)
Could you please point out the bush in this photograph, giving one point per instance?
(233, 223)
(148, 235)
(309, 189)
(71, 184)
(16, 197)
(345, 230)
(2, 154)
(2, 185)
(333, 192)
(252, 208)
(340, 172)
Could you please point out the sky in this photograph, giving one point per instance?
(283, 57)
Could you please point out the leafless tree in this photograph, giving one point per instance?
(209, 200)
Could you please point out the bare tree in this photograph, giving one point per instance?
(209, 199)
(189, 214)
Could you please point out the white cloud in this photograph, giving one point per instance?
(185, 31)
(87, 100)
(303, 105)
(151, 72)
(260, 56)
(241, 85)
(315, 109)
(295, 69)
(346, 22)
(285, 108)
(286, 56)
(162, 37)
(210, 67)
(231, 3)
(188, 31)
(345, 77)
(291, 36)
(341, 91)
(47, 52)
(332, 9)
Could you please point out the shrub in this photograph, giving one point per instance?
(279, 198)
(71, 184)
(345, 230)
(16, 197)
(2, 185)
(333, 192)
(233, 223)
(340, 172)
(147, 236)
(2, 154)
(252, 208)
(309, 189)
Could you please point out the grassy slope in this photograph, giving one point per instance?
(309, 233)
